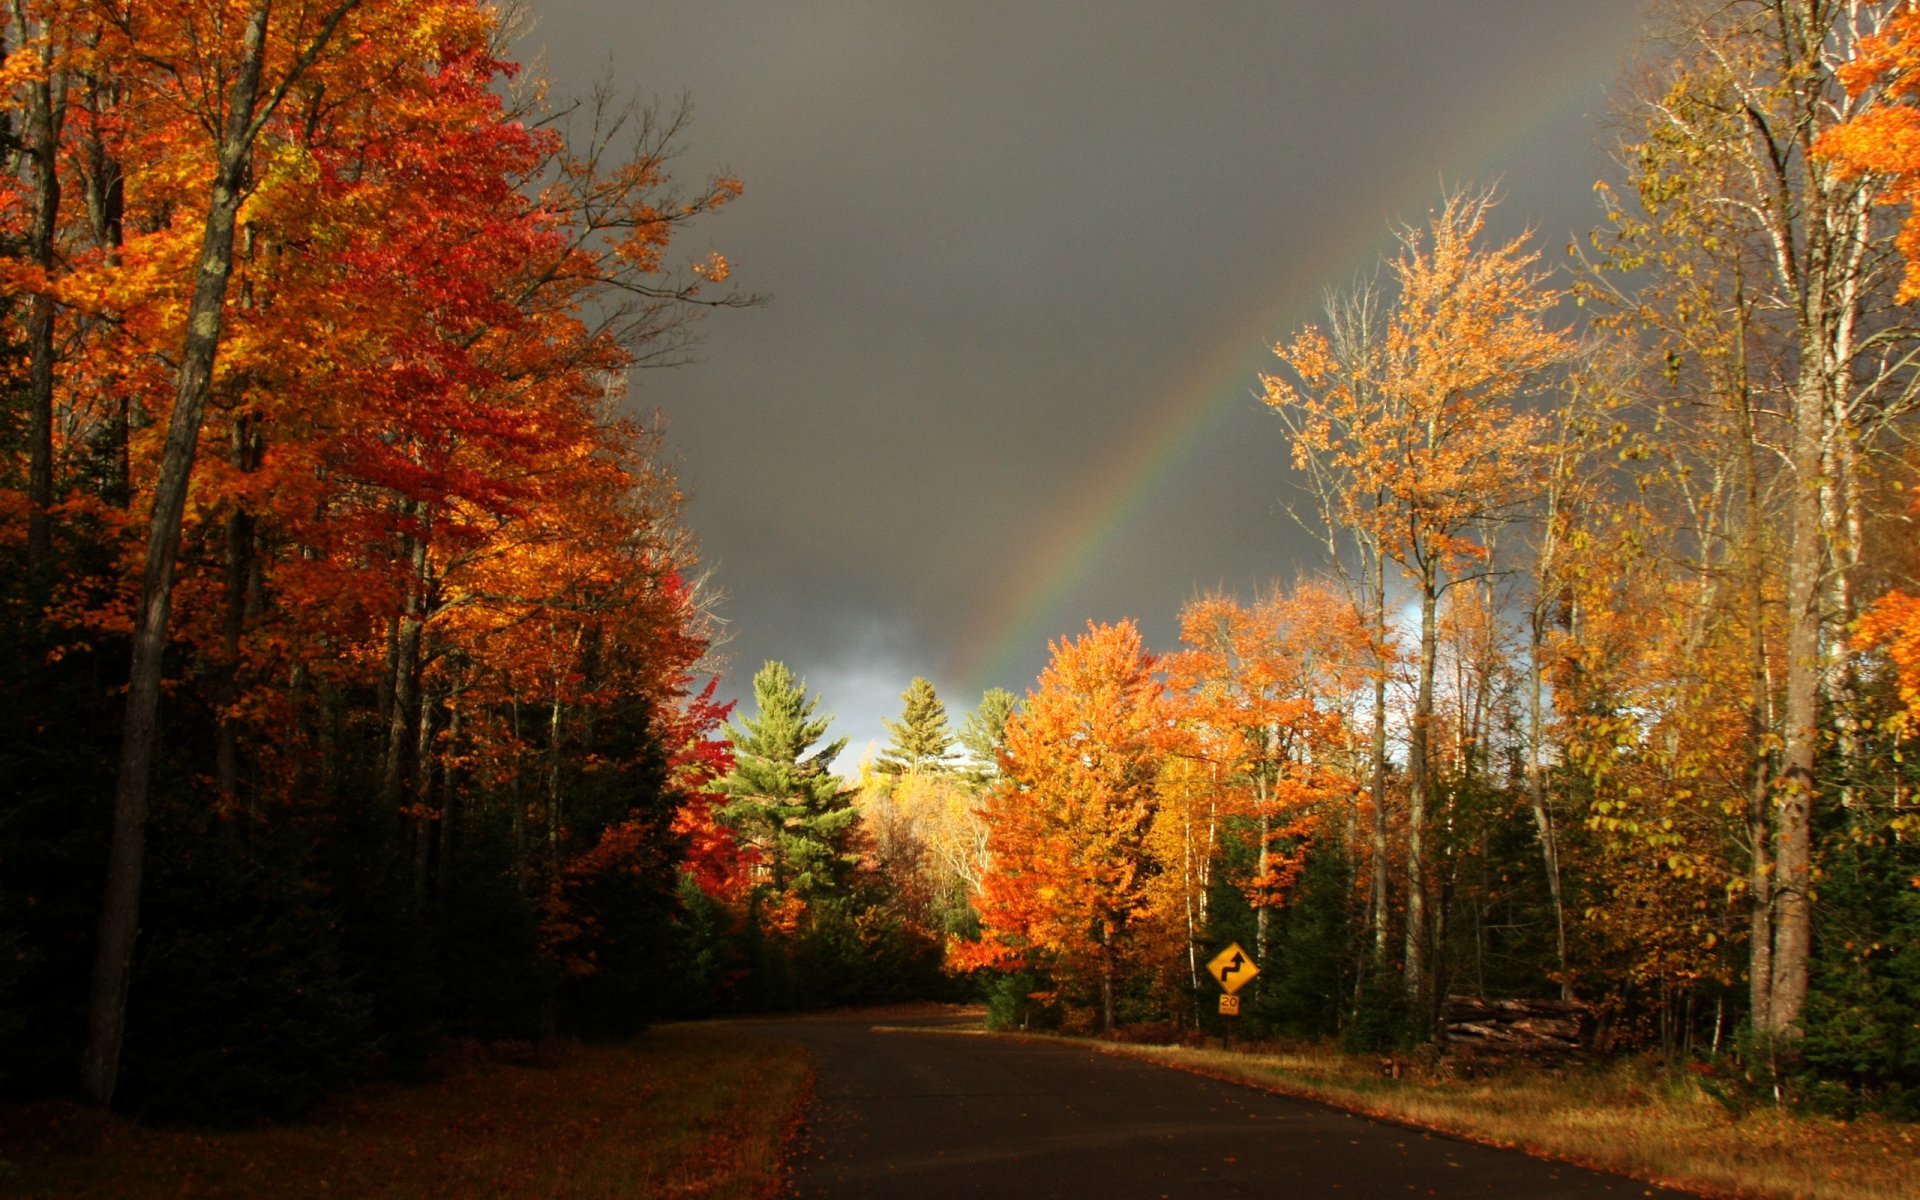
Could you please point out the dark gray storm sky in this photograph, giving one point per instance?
(1027, 261)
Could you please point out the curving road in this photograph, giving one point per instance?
(907, 1111)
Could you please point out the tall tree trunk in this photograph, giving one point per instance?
(1759, 700)
(556, 760)
(1816, 221)
(554, 714)
(1793, 802)
(1843, 521)
(449, 792)
(240, 567)
(403, 721)
(1759, 886)
(103, 183)
(120, 903)
(1419, 785)
(1823, 316)
(1537, 790)
(1378, 756)
(423, 817)
(517, 801)
(1263, 915)
(45, 113)
(1106, 977)
(1206, 848)
(241, 587)
(1187, 891)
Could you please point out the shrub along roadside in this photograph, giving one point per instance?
(683, 1110)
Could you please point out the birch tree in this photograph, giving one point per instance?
(1732, 123)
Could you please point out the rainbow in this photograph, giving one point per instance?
(1217, 375)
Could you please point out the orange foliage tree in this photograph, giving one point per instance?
(1893, 624)
(325, 367)
(1426, 425)
(1882, 142)
(1259, 696)
(1066, 892)
(1648, 680)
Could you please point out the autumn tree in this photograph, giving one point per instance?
(254, 62)
(1425, 421)
(1339, 384)
(37, 66)
(1584, 429)
(1892, 624)
(920, 811)
(1068, 821)
(1732, 129)
(1651, 723)
(1877, 144)
(1704, 438)
(939, 813)
(926, 843)
(1876, 141)
(1260, 693)
(921, 808)
(319, 240)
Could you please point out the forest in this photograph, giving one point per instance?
(361, 668)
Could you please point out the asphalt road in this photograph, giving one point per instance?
(903, 1111)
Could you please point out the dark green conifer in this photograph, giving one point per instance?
(785, 800)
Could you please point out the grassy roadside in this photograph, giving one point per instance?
(1633, 1120)
(684, 1111)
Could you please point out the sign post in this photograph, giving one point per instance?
(1231, 969)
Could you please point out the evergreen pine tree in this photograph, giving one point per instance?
(922, 739)
(984, 732)
(784, 799)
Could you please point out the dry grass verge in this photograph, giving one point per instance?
(685, 1111)
(1629, 1119)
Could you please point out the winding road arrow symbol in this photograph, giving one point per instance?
(1231, 968)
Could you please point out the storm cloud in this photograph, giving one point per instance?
(1026, 263)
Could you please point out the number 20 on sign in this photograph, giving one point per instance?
(1229, 1006)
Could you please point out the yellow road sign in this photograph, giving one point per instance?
(1232, 967)
(1229, 1005)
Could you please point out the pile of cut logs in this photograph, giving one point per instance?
(1539, 1030)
